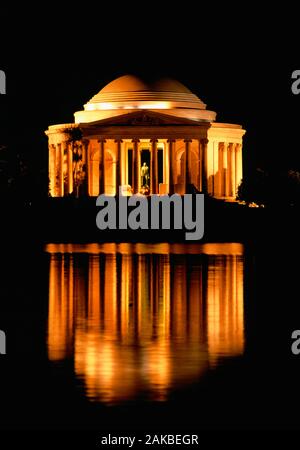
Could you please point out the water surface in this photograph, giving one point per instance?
(142, 321)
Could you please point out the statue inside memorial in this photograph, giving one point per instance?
(145, 175)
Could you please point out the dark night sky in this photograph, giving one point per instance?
(240, 65)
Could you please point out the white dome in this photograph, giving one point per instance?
(131, 93)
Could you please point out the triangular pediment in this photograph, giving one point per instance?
(142, 118)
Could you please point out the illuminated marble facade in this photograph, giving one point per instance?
(130, 122)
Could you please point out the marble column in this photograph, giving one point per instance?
(232, 171)
(136, 165)
(170, 154)
(69, 150)
(91, 168)
(68, 186)
(187, 174)
(118, 164)
(52, 174)
(199, 166)
(57, 163)
(102, 166)
(228, 177)
(153, 170)
(238, 164)
(85, 158)
(217, 175)
(60, 169)
(204, 143)
(62, 178)
(224, 169)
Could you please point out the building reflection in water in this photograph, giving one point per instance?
(139, 320)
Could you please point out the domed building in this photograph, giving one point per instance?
(151, 137)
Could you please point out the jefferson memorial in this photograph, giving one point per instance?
(145, 137)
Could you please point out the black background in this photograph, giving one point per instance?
(239, 61)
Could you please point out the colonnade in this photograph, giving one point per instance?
(216, 163)
(223, 168)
